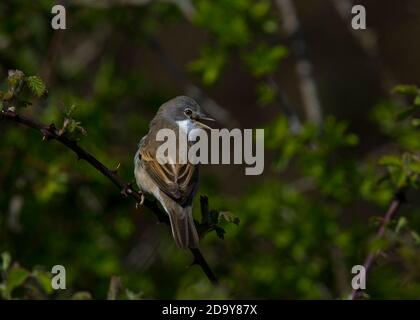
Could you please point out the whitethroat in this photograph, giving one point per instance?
(175, 183)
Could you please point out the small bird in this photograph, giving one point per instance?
(173, 185)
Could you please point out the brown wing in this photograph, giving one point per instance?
(178, 181)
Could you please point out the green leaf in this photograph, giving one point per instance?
(55, 182)
(228, 217)
(414, 165)
(226, 20)
(3, 292)
(378, 244)
(406, 90)
(270, 26)
(69, 112)
(133, 295)
(415, 122)
(44, 280)
(260, 9)
(15, 278)
(402, 222)
(401, 179)
(36, 85)
(71, 127)
(416, 237)
(209, 65)
(82, 295)
(6, 259)
(264, 59)
(403, 115)
(390, 160)
(266, 94)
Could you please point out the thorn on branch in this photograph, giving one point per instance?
(115, 171)
(48, 132)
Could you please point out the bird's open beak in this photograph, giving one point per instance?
(201, 116)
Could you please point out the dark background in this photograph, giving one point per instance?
(304, 223)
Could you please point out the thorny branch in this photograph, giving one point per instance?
(49, 132)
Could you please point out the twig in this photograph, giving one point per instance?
(396, 203)
(49, 133)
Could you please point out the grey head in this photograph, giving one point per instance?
(181, 108)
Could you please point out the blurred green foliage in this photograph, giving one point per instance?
(303, 225)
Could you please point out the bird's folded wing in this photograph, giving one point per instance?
(178, 181)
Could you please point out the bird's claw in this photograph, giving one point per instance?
(139, 204)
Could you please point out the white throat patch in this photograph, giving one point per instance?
(186, 125)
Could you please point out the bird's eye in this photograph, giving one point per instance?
(188, 112)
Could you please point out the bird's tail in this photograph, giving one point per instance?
(183, 228)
